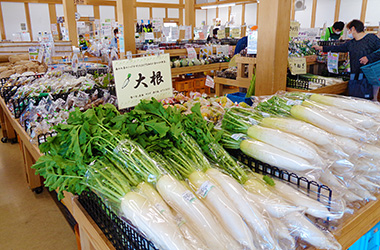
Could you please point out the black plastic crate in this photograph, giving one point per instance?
(99, 71)
(331, 43)
(119, 232)
(301, 182)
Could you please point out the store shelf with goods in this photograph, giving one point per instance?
(339, 88)
(198, 69)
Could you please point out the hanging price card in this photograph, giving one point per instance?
(294, 29)
(297, 65)
(191, 53)
(332, 62)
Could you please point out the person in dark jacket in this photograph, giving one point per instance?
(363, 49)
(334, 32)
(241, 44)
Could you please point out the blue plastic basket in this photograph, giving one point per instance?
(369, 241)
(372, 72)
(240, 97)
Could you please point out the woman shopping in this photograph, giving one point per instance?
(363, 49)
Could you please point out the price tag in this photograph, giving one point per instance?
(221, 33)
(149, 36)
(191, 53)
(297, 65)
(142, 78)
(294, 29)
(189, 196)
(205, 189)
(210, 82)
(332, 62)
(235, 33)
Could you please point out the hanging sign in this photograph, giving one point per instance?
(221, 33)
(297, 65)
(332, 62)
(235, 32)
(191, 53)
(294, 29)
(210, 82)
(142, 78)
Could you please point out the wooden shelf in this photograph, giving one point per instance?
(200, 68)
(339, 88)
(221, 81)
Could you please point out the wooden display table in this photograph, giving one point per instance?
(200, 68)
(339, 88)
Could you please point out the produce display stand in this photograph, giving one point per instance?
(241, 80)
(339, 88)
(199, 68)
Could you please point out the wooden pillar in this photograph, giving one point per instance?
(2, 29)
(28, 23)
(116, 14)
(53, 19)
(229, 13)
(313, 14)
(125, 13)
(96, 16)
(337, 9)
(217, 12)
(181, 14)
(293, 17)
(69, 9)
(150, 13)
(166, 13)
(364, 10)
(257, 13)
(190, 15)
(243, 28)
(272, 46)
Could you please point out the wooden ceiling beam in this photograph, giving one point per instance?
(198, 6)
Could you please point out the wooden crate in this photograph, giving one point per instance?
(184, 85)
(199, 82)
(242, 62)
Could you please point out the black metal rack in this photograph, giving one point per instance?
(302, 82)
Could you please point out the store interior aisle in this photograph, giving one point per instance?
(28, 220)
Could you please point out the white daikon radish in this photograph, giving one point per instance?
(223, 209)
(251, 215)
(195, 212)
(149, 220)
(303, 228)
(327, 122)
(357, 189)
(275, 157)
(154, 198)
(355, 105)
(313, 207)
(287, 142)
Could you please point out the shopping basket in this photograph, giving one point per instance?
(372, 72)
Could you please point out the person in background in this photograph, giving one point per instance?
(114, 39)
(362, 49)
(241, 44)
(334, 32)
(214, 37)
(83, 44)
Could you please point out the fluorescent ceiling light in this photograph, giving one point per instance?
(217, 6)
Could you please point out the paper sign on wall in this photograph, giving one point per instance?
(191, 53)
(294, 29)
(252, 42)
(297, 65)
(332, 62)
(142, 78)
(221, 33)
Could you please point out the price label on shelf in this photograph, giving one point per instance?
(142, 78)
(294, 29)
(210, 82)
(297, 65)
(191, 53)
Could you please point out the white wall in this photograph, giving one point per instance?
(59, 10)
(223, 15)
(85, 10)
(325, 13)
(250, 14)
(158, 12)
(350, 9)
(106, 12)
(173, 13)
(142, 13)
(236, 11)
(304, 17)
(13, 16)
(211, 15)
(373, 13)
(200, 15)
(39, 18)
